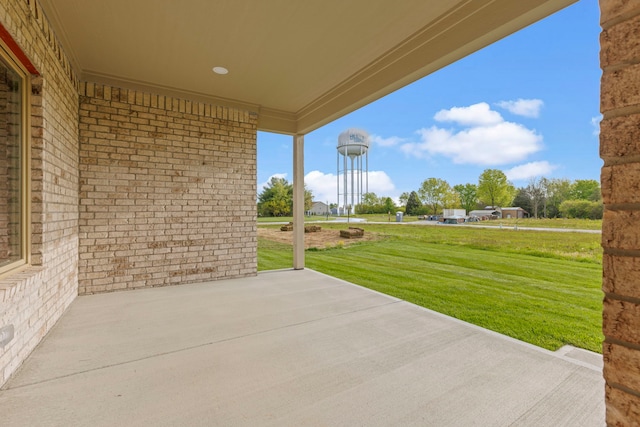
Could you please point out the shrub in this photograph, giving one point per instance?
(584, 209)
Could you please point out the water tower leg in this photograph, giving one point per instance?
(298, 202)
(337, 183)
(344, 182)
(353, 205)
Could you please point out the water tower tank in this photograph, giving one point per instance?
(353, 142)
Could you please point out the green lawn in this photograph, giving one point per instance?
(572, 223)
(539, 287)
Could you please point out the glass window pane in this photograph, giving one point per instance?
(10, 165)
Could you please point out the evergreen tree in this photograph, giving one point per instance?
(522, 199)
(413, 204)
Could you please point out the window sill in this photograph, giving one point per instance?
(14, 281)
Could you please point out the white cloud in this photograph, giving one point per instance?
(474, 115)
(530, 170)
(489, 145)
(595, 122)
(385, 142)
(523, 107)
(264, 184)
(324, 185)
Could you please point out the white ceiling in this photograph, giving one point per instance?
(299, 63)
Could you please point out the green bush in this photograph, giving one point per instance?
(581, 209)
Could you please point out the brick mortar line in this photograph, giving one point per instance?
(623, 298)
(626, 253)
(605, 25)
(620, 65)
(614, 207)
(621, 112)
(615, 341)
(624, 389)
(170, 104)
(620, 160)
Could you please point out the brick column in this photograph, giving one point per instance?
(620, 150)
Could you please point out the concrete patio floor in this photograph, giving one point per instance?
(290, 348)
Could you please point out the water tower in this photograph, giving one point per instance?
(353, 147)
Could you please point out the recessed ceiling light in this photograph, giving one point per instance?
(220, 70)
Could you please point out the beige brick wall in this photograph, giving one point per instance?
(620, 150)
(167, 190)
(33, 299)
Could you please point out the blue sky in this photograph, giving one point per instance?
(527, 105)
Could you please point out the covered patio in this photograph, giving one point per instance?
(290, 348)
(132, 134)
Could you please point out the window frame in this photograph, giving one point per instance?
(16, 65)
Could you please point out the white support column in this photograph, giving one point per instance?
(298, 202)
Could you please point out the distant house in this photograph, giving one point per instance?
(514, 212)
(318, 208)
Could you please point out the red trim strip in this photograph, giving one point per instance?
(11, 43)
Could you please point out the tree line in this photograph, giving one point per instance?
(541, 197)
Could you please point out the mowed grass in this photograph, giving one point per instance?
(539, 287)
(569, 223)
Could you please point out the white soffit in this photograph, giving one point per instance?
(299, 63)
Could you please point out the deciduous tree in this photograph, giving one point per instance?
(558, 190)
(468, 195)
(389, 205)
(276, 199)
(536, 193)
(494, 189)
(585, 189)
(435, 192)
(404, 197)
